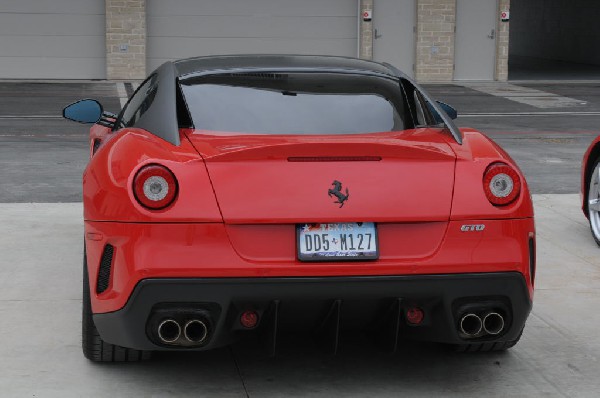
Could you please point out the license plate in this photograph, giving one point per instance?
(337, 241)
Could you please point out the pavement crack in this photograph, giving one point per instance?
(239, 371)
(552, 326)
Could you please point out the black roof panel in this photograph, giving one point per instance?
(200, 65)
(161, 117)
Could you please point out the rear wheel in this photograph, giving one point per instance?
(593, 201)
(94, 348)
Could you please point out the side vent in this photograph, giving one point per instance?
(532, 259)
(105, 268)
(95, 146)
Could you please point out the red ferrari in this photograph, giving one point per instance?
(590, 187)
(265, 194)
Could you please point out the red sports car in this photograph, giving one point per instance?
(590, 187)
(263, 194)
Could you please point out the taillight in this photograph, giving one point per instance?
(501, 184)
(155, 187)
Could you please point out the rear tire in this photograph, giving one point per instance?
(94, 348)
(593, 194)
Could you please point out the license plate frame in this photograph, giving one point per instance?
(351, 252)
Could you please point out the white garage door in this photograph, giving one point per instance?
(187, 28)
(58, 39)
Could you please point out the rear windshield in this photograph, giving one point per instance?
(295, 103)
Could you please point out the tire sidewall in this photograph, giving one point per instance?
(587, 196)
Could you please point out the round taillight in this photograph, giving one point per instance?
(501, 184)
(155, 187)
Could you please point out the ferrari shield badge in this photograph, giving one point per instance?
(337, 192)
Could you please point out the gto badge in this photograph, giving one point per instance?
(337, 192)
(472, 228)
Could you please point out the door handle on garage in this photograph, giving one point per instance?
(375, 35)
(492, 34)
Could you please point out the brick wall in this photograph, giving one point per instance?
(502, 43)
(435, 40)
(436, 21)
(125, 39)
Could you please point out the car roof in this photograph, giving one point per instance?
(221, 63)
(161, 116)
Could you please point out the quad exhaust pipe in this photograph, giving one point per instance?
(195, 331)
(169, 331)
(493, 323)
(472, 325)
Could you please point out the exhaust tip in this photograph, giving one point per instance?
(493, 323)
(169, 331)
(471, 325)
(195, 331)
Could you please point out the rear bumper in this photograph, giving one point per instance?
(306, 304)
(207, 251)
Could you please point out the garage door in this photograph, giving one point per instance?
(58, 39)
(186, 28)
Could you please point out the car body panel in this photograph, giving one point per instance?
(413, 181)
(182, 250)
(107, 180)
(469, 201)
(240, 198)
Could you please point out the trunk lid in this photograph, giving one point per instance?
(403, 176)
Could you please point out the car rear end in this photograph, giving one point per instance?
(310, 203)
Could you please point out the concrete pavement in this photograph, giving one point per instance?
(40, 353)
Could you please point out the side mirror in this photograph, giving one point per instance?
(84, 111)
(450, 111)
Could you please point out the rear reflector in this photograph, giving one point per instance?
(249, 319)
(415, 316)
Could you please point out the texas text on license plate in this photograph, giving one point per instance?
(337, 241)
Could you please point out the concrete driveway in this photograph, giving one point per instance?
(40, 353)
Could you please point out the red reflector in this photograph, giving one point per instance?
(415, 316)
(94, 236)
(249, 319)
